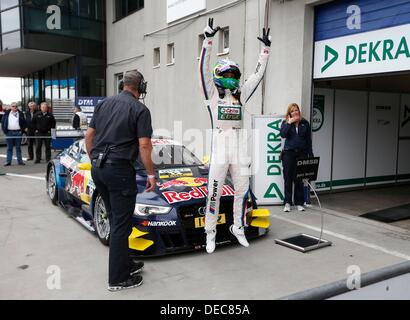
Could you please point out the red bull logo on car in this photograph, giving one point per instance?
(183, 182)
(196, 193)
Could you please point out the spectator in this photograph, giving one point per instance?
(13, 125)
(32, 109)
(80, 121)
(298, 144)
(43, 122)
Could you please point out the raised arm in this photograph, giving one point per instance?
(252, 83)
(205, 72)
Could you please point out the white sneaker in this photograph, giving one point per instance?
(286, 208)
(301, 208)
(210, 241)
(239, 233)
(307, 205)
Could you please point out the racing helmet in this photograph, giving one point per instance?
(224, 66)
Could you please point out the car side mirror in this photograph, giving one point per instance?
(84, 166)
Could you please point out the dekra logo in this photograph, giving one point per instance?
(331, 56)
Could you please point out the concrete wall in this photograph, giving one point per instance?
(173, 90)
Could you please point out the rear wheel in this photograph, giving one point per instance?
(101, 221)
(52, 185)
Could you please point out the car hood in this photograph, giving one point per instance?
(179, 186)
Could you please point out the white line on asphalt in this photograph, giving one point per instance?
(346, 238)
(5, 157)
(24, 176)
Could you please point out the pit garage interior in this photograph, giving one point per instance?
(361, 131)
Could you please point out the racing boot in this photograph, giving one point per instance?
(239, 233)
(210, 241)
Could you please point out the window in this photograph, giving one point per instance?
(118, 78)
(224, 41)
(11, 41)
(201, 39)
(4, 4)
(157, 57)
(124, 8)
(171, 54)
(10, 20)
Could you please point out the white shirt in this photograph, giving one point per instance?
(14, 121)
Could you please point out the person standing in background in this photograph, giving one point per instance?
(43, 122)
(80, 121)
(29, 115)
(298, 144)
(13, 125)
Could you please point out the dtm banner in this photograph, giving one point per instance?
(267, 183)
(87, 105)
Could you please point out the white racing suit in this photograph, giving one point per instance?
(227, 138)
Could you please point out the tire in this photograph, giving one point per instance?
(101, 221)
(52, 190)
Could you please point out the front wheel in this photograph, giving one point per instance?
(101, 221)
(52, 185)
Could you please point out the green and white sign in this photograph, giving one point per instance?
(268, 185)
(318, 112)
(385, 50)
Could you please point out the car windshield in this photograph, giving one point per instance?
(169, 156)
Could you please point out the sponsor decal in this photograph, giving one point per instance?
(175, 173)
(385, 50)
(274, 168)
(67, 161)
(229, 113)
(318, 112)
(212, 204)
(307, 162)
(331, 57)
(183, 182)
(196, 193)
(147, 223)
(77, 183)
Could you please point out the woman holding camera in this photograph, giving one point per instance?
(298, 144)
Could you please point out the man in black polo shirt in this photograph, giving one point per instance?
(119, 130)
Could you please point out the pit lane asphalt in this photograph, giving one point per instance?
(35, 235)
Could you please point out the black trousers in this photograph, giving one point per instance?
(118, 187)
(289, 174)
(30, 143)
(47, 144)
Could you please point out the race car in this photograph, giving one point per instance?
(169, 220)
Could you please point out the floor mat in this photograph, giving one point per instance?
(389, 215)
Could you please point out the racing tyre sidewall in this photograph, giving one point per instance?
(52, 185)
(101, 221)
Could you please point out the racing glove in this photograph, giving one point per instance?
(266, 38)
(209, 31)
